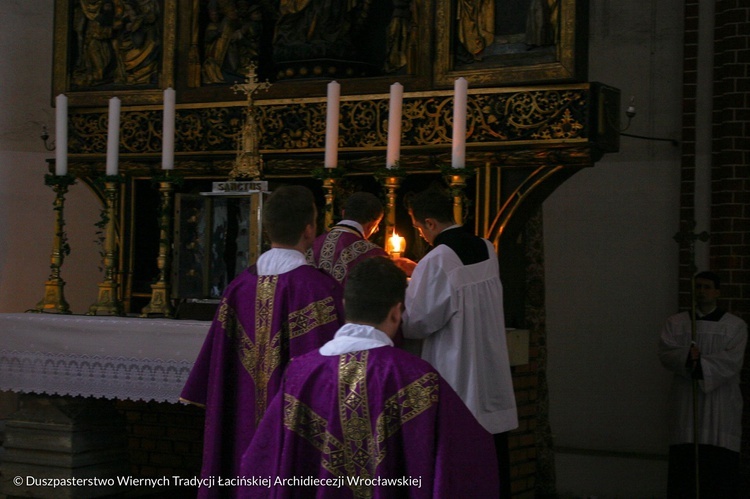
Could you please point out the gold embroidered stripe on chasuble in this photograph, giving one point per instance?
(352, 455)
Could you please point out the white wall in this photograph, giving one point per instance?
(611, 266)
(27, 217)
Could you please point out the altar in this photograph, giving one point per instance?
(70, 371)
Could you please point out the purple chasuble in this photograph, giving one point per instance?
(339, 250)
(261, 323)
(375, 423)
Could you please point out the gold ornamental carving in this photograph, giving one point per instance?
(496, 118)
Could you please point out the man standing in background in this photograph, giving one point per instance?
(712, 361)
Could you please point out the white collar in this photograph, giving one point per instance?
(279, 261)
(701, 314)
(454, 226)
(353, 338)
(352, 223)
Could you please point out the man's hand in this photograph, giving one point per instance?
(405, 264)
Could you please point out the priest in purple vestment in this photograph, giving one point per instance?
(347, 243)
(361, 418)
(279, 308)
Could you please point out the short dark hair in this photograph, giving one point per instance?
(287, 212)
(711, 276)
(372, 288)
(434, 202)
(363, 207)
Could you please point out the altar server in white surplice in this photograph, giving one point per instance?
(454, 303)
(713, 362)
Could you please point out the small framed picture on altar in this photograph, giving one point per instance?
(108, 47)
(510, 42)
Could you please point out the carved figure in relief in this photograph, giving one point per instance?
(217, 36)
(476, 25)
(231, 40)
(138, 44)
(95, 24)
(540, 24)
(400, 37)
(486, 30)
(314, 29)
(117, 41)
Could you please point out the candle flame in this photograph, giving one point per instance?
(397, 243)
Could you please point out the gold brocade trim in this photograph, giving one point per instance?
(263, 357)
(405, 405)
(302, 420)
(349, 254)
(224, 313)
(354, 456)
(314, 315)
(354, 413)
(328, 251)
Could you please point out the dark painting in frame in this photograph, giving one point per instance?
(510, 42)
(106, 48)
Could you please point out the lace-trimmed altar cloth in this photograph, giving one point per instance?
(110, 357)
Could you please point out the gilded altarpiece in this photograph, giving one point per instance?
(532, 118)
(519, 138)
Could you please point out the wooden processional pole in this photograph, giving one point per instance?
(687, 236)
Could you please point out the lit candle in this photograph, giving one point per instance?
(61, 135)
(394, 125)
(167, 144)
(459, 123)
(396, 245)
(113, 136)
(332, 125)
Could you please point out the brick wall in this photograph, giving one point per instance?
(164, 440)
(729, 244)
(730, 186)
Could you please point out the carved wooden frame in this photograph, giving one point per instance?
(61, 67)
(570, 56)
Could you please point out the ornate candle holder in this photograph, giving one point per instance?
(456, 179)
(391, 179)
(160, 303)
(54, 298)
(329, 210)
(108, 301)
(329, 176)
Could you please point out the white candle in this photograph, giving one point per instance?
(167, 144)
(332, 125)
(61, 135)
(459, 123)
(113, 136)
(394, 125)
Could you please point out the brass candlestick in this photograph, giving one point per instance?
(391, 184)
(457, 184)
(54, 299)
(108, 302)
(329, 211)
(161, 303)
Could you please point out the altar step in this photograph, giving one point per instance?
(63, 447)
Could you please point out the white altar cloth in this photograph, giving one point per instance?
(110, 357)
